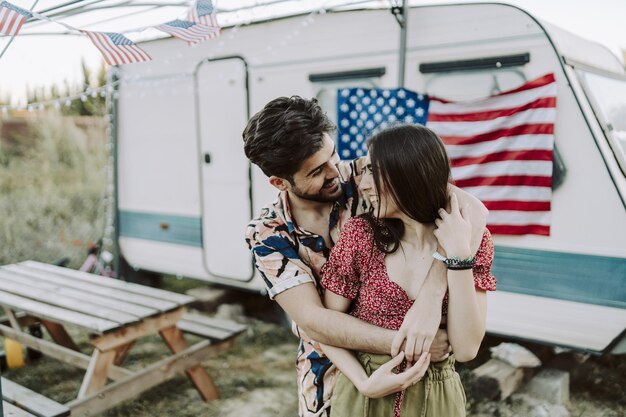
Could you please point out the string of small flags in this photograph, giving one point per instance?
(116, 49)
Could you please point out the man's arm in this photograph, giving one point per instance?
(304, 306)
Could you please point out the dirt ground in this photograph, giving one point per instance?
(256, 378)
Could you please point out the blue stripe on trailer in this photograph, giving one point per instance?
(567, 276)
(180, 230)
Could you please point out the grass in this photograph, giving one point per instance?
(52, 184)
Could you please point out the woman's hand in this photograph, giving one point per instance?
(454, 230)
(384, 382)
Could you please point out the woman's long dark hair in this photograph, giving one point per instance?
(410, 163)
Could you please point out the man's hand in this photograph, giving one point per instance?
(384, 381)
(420, 324)
(440, 348)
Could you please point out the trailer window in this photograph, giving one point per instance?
(607, 95)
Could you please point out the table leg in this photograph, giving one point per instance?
(97, 372)
(176, 342)
(60, 335)
(121, 353)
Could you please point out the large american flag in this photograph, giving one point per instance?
(500, 148)
(12, 18)
(203, 12)
(116, 48)
(190, 32)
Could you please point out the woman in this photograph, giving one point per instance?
(380, 263)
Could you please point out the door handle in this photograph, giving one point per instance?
(207, 158)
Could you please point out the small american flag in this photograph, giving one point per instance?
(361, 111)
(501, 152)
(203, 12)
(190, 32)
(12, 18)
(116, 48)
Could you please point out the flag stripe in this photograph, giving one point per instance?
(521, 155)
(504, 144)
(505, 192)
(529, 180)
(547, 79)
(525, 129)
(528, 229)
(517, 205)
(109, 57)
(492, 169)
(518, 218)
(499, 102)
(542, 102)
(471, 128)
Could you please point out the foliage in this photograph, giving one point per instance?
(52, 184)
(89, 104)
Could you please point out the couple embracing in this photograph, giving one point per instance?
(381, 263)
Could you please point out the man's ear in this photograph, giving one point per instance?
(279, 183)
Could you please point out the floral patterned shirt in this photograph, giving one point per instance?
(287, 256)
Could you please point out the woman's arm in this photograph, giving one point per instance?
(467, 306)
(383, 381)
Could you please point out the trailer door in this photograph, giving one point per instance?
(222, 113)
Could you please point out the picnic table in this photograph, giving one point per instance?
(115, 314)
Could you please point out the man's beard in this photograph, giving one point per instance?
(320, 196)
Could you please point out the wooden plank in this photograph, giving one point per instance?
(199, 377)
(89, 287)
(495, 380)
(181, 299)
(145, 379)
(129, 308)
(559, 322)
(133, 332)
(32, 402)
(97, 373)
(80, 360)
(60, 335)
(201, 330)
(12, 411)
(69, 303)
(23, 319)
(93, 324)
(229, 325)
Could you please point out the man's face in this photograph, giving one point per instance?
(318, 178)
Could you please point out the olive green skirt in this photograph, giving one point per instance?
(439, 394)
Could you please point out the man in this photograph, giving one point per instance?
(289, 139)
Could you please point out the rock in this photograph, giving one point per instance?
(208, 299)
(515, 355)
(551, 385)
(233, 312)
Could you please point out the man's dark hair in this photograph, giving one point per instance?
(287, 131)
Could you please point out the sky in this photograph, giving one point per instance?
(38, 57)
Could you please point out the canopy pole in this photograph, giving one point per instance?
(401, 14)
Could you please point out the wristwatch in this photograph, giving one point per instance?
(454, 263)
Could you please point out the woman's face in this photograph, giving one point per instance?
(383, 204)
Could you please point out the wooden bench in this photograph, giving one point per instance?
(216, 330)
(19, 401)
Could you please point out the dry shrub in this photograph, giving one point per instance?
(51, 193)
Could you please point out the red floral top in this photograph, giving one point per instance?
(356, 270)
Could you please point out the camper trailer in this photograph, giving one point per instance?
(185, 190)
